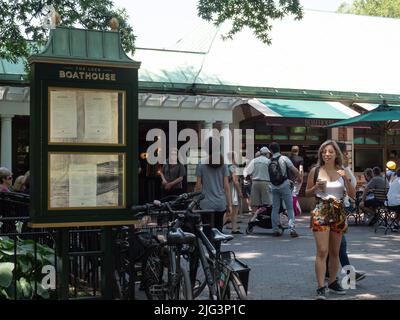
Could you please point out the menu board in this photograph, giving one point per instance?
(86, 116)
(86, 180)
(63, 120)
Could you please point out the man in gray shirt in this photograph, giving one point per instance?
(260, 189)
(172, 174)
(368, 203)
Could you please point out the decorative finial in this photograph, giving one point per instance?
(114, 24)
(55, 19)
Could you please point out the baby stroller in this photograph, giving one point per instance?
(263, 219)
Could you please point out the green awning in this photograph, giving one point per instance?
(302, 109)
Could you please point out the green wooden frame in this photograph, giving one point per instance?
(46, 74)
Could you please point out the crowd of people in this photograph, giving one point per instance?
(375, 181)
(274, 180)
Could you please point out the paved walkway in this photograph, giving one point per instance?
(283, 268)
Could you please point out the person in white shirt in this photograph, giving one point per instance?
(394, 191)
(343, 256)
(260, 188)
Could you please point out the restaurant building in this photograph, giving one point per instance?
(312, 75)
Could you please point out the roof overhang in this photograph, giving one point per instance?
(306, 109)
(154, 106)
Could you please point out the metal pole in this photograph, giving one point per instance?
(107, 265)
(384, 148)
(62, 263)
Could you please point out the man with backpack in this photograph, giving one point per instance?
(278, 174)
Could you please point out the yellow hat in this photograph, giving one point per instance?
(391, 165)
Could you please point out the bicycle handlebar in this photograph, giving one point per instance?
(161, 205)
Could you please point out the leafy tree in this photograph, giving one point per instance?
(381, 8)
(22, 20)
(254, 14)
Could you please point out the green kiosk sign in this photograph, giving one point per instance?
(84, 119)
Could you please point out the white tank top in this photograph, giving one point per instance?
(334, 189)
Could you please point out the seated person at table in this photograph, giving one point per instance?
(368, 202)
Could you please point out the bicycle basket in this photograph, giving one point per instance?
(237, 266)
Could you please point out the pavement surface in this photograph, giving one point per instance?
(283, 267)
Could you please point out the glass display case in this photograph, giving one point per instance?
(86, 116)
(86, 180)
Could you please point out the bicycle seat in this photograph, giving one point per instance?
(218, 236)
(180, 237)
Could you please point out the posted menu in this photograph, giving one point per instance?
(63, 122)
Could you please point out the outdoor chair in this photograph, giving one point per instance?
(354, 210)
(382, 212)
(393, 221)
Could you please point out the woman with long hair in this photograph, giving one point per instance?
(329, 183)
(19, 184)
(212, 181)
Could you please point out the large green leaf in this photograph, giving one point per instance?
(6, 243)
(24, 264)
(45, 250)
(44, 293)
(47, 259)
(20, 252)
(3, 294)
(24, 289)
(7, 252)
(6, 273)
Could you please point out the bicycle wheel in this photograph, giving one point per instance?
(153, 274)
(199, 284)
(197, 277)
(235, 289)
(118, 291)
(183, 291)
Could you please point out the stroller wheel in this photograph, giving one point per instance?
(284, 220)
(249, 230)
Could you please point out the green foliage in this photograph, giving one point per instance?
(27, 271)
(22, 32)
(380, 8)
(254, 14)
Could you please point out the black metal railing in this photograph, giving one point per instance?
(31, 256)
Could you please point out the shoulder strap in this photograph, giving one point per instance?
(316, 172)
(285, 173)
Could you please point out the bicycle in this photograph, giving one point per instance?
(164, 276)
(220, 275)
(218, 272)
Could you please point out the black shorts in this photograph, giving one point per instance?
(247, 190)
